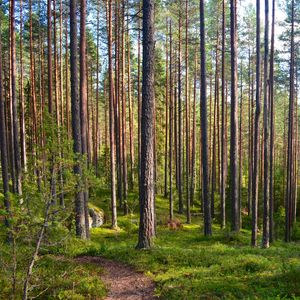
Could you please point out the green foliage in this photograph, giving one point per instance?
(185, 264)
(52, 276)
(56, 277)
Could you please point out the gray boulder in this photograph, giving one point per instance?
(96, 217)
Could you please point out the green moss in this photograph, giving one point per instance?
(186, 265)
(183, 263)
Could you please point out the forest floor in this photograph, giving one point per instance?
(121, 281)
(186, 265)
(182, 265)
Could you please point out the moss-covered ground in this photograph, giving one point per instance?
(183, 263)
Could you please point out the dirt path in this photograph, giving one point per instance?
(122, 281)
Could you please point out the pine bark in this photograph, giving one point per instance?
(235, 223)
(256, 133)
(111, 118)
(76, 125)
(203, 107)
(223, 118)
(266, 228)
(84, 104)
(15, 114)
(171, 121)
(289, 180)
(187, 120)
(179, 106)
(3, 138)
(146, 227)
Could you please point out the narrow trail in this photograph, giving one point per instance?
(122, 281)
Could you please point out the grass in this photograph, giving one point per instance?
(183, 263)
(186, 265)
(55, 277)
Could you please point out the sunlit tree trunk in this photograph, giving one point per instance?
(15, 120)
(256, 133)
(235, 223)
(146, 226)
(111, 118)
(76, 125)
(203, 106)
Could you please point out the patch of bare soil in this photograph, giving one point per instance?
(122, 281)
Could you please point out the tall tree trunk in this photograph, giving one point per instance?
(214, 133)
(56, 96)
(250, 137)
(33, 91)
(49, 41)
(22, 100)
(146, 227)
(84, 103)
(61, 81)
(234, 122)
(223, 147)
(266, 228)
(97, 91)
(76, 125)
(241, 144)
(256, 133)
(123, 99)
(180, 165)
(187, 120)
(193, 167)
(14, 100)
(139, 99)
(131, 133)
(203, 102)
(166, 116)
(170, 129)
(67, 81)
(111, 119)
(3, 138)
(289, 181)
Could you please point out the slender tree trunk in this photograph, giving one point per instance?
(256, 133)
(67, 81)
(131, 133)
(3, 144)
(180, 165)
(289, 180)
(223, 148)
(234, 122)
(22, 100)
(139, 100)
(146, 227)
(193, 167)
(250, 137)
(124, 129)
(56, 96)
(214, 134)
(97, 91)
(61, 81)
(84, 103)
(117, 113)
(266, 226)
(170, 129)
(203, 102)
(76, 125)
(15, 121)
(33, 91)
(167, 116)
(241, 145)
(187, 120)
(111, 119)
